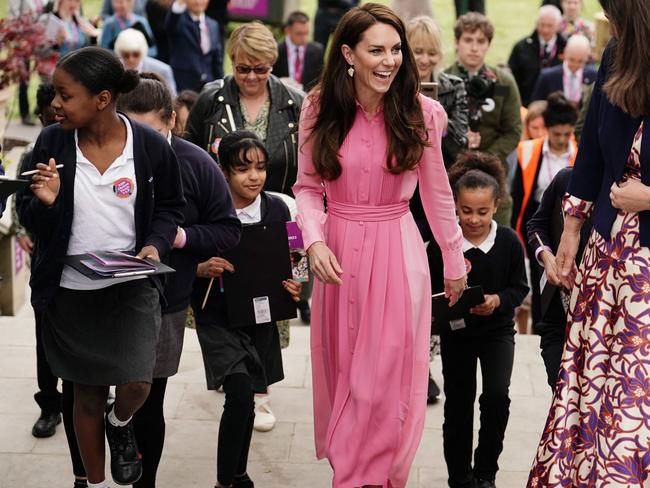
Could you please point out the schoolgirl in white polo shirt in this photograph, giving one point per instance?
(119, 190)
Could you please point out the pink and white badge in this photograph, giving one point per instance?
(123, 188)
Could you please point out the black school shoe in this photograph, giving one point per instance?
(484, 484)
(46, 424)
(433, 391)
(80, 484)
(126, 463)
(243, 481)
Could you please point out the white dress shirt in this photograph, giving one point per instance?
(291, 57)
(572, 83)
(550, 166)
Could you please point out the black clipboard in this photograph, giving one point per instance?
(443, 315)
(10, 186)
(254, 292)
(75, 261)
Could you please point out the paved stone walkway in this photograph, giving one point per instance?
(281, 458)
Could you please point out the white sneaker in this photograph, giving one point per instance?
(264, 418)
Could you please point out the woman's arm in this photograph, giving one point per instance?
(437, 198)
(310, 193)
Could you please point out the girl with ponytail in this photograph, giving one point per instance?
(118, 190)
(494, 258)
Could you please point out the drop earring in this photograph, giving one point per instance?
(351, 71)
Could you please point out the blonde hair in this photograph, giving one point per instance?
(535, 109)
(255, 41)
(131, 40)
(425, 28)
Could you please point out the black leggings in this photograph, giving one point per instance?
(149, 425)
(67, 407)
(235, 428)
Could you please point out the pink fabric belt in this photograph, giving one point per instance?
(369, 213)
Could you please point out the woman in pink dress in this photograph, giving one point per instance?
(366, 138)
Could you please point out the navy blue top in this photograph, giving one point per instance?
(605, 145)
(211, 224)
(158, 206)
(273, 210)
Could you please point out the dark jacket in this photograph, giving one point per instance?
(273, 210)
(500, 271)
(526, 63)
(453, 98)
(3, 203)
(552, 79)
(501, 127)
(605, 146)
(158, 206)
(208, 123)
(192, 68)
(210, 222)
(311, 67)
(548, 224)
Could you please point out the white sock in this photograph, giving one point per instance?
(101, 484)
(115, 422)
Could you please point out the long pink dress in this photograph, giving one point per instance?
(370, 336)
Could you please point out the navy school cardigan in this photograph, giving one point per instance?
(158, 206)
(605, 145)
(210, 221)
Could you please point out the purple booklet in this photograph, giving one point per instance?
(298, 254)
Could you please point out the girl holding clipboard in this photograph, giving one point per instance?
(494, 258)
(118, 190)
(244, 360)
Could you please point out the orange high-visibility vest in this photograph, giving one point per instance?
(529, 158)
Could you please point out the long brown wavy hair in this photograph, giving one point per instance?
(336, 101)
(627, 86)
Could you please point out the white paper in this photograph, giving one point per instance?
(262, 309)
(457, 324)
(542, 281)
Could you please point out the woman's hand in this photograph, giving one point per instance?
(324, 264)
(566, 256)
(488, 306)
(149, 252)
(294, 288)
(46, 183)
(630, 196)
(214, 267)
(550, 265)
(454, 289)
(87, 28)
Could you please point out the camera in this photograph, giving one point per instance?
(479, 89)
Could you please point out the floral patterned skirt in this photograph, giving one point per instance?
(598, 430)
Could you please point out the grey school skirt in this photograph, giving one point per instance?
(170, 344)
(103, 337)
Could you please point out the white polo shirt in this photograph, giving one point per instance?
(104, 212)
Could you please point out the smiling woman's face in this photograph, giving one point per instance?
(376, 58)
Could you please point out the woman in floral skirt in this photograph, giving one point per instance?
(598, 429)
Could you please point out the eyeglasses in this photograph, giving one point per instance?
(244, 69)
(130, 54)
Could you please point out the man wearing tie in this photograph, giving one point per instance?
(196, 53)
(298, 58)
(540, 50)
(569, 77)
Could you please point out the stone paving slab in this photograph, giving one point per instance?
(281, 458)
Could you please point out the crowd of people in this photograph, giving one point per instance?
(409, 176)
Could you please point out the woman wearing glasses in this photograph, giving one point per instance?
(251, 99)
(131, 47)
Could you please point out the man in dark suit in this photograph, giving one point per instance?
(195, 50)
(569, 77)
(298, 58)
(540, 50)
